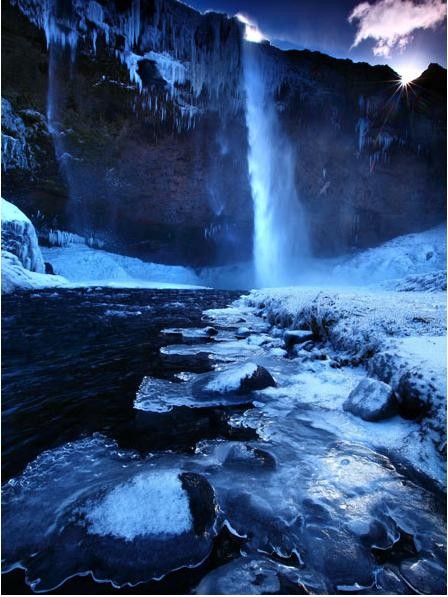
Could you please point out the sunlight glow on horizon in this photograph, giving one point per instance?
(251, 31)
(409, 72)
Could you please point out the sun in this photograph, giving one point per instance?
(251, 31)
(408, 73)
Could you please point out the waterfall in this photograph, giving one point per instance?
(280, 235)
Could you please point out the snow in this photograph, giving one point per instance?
(428, 352)
(19, 237)
(410, 254)
(153, 503)
(85, 266)
(11, 213)
(74, 263)
(398, 336)
(16, 277)
(230, 379)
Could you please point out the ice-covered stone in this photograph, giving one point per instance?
(241, 379)
(107, 512)
(19, 237)
(372, 400)
(242, 455)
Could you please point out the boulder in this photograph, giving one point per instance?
(241, 379)
(371, 400)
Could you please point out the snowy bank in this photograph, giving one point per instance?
(407, 255)
(397, 337)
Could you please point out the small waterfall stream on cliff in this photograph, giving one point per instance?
(280, 235)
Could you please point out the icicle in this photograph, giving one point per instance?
(362, 127)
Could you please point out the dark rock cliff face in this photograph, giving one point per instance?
(127, 120)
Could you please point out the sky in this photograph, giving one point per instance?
(405, 34)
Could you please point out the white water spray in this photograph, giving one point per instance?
(280, 235)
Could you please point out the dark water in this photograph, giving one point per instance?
(308, 510)
(72, 363)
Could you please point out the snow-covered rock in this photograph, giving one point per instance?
(128, 520)
(415, 367)
(241, 379)
(372, 400)
(23, 267)
(16, 277)
(19, 237)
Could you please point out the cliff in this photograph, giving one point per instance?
(126, 120)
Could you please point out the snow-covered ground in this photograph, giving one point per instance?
(410, 254)
(396, 337)
(84, 266)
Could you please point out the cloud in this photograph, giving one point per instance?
(392, 22)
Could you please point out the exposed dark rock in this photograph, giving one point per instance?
(293, 337)
(259, 380)
(202, 501)
(211, 331)
(49, 268)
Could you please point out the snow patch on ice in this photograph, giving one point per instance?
(150, 504)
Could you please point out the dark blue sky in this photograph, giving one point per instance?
(323, 25)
